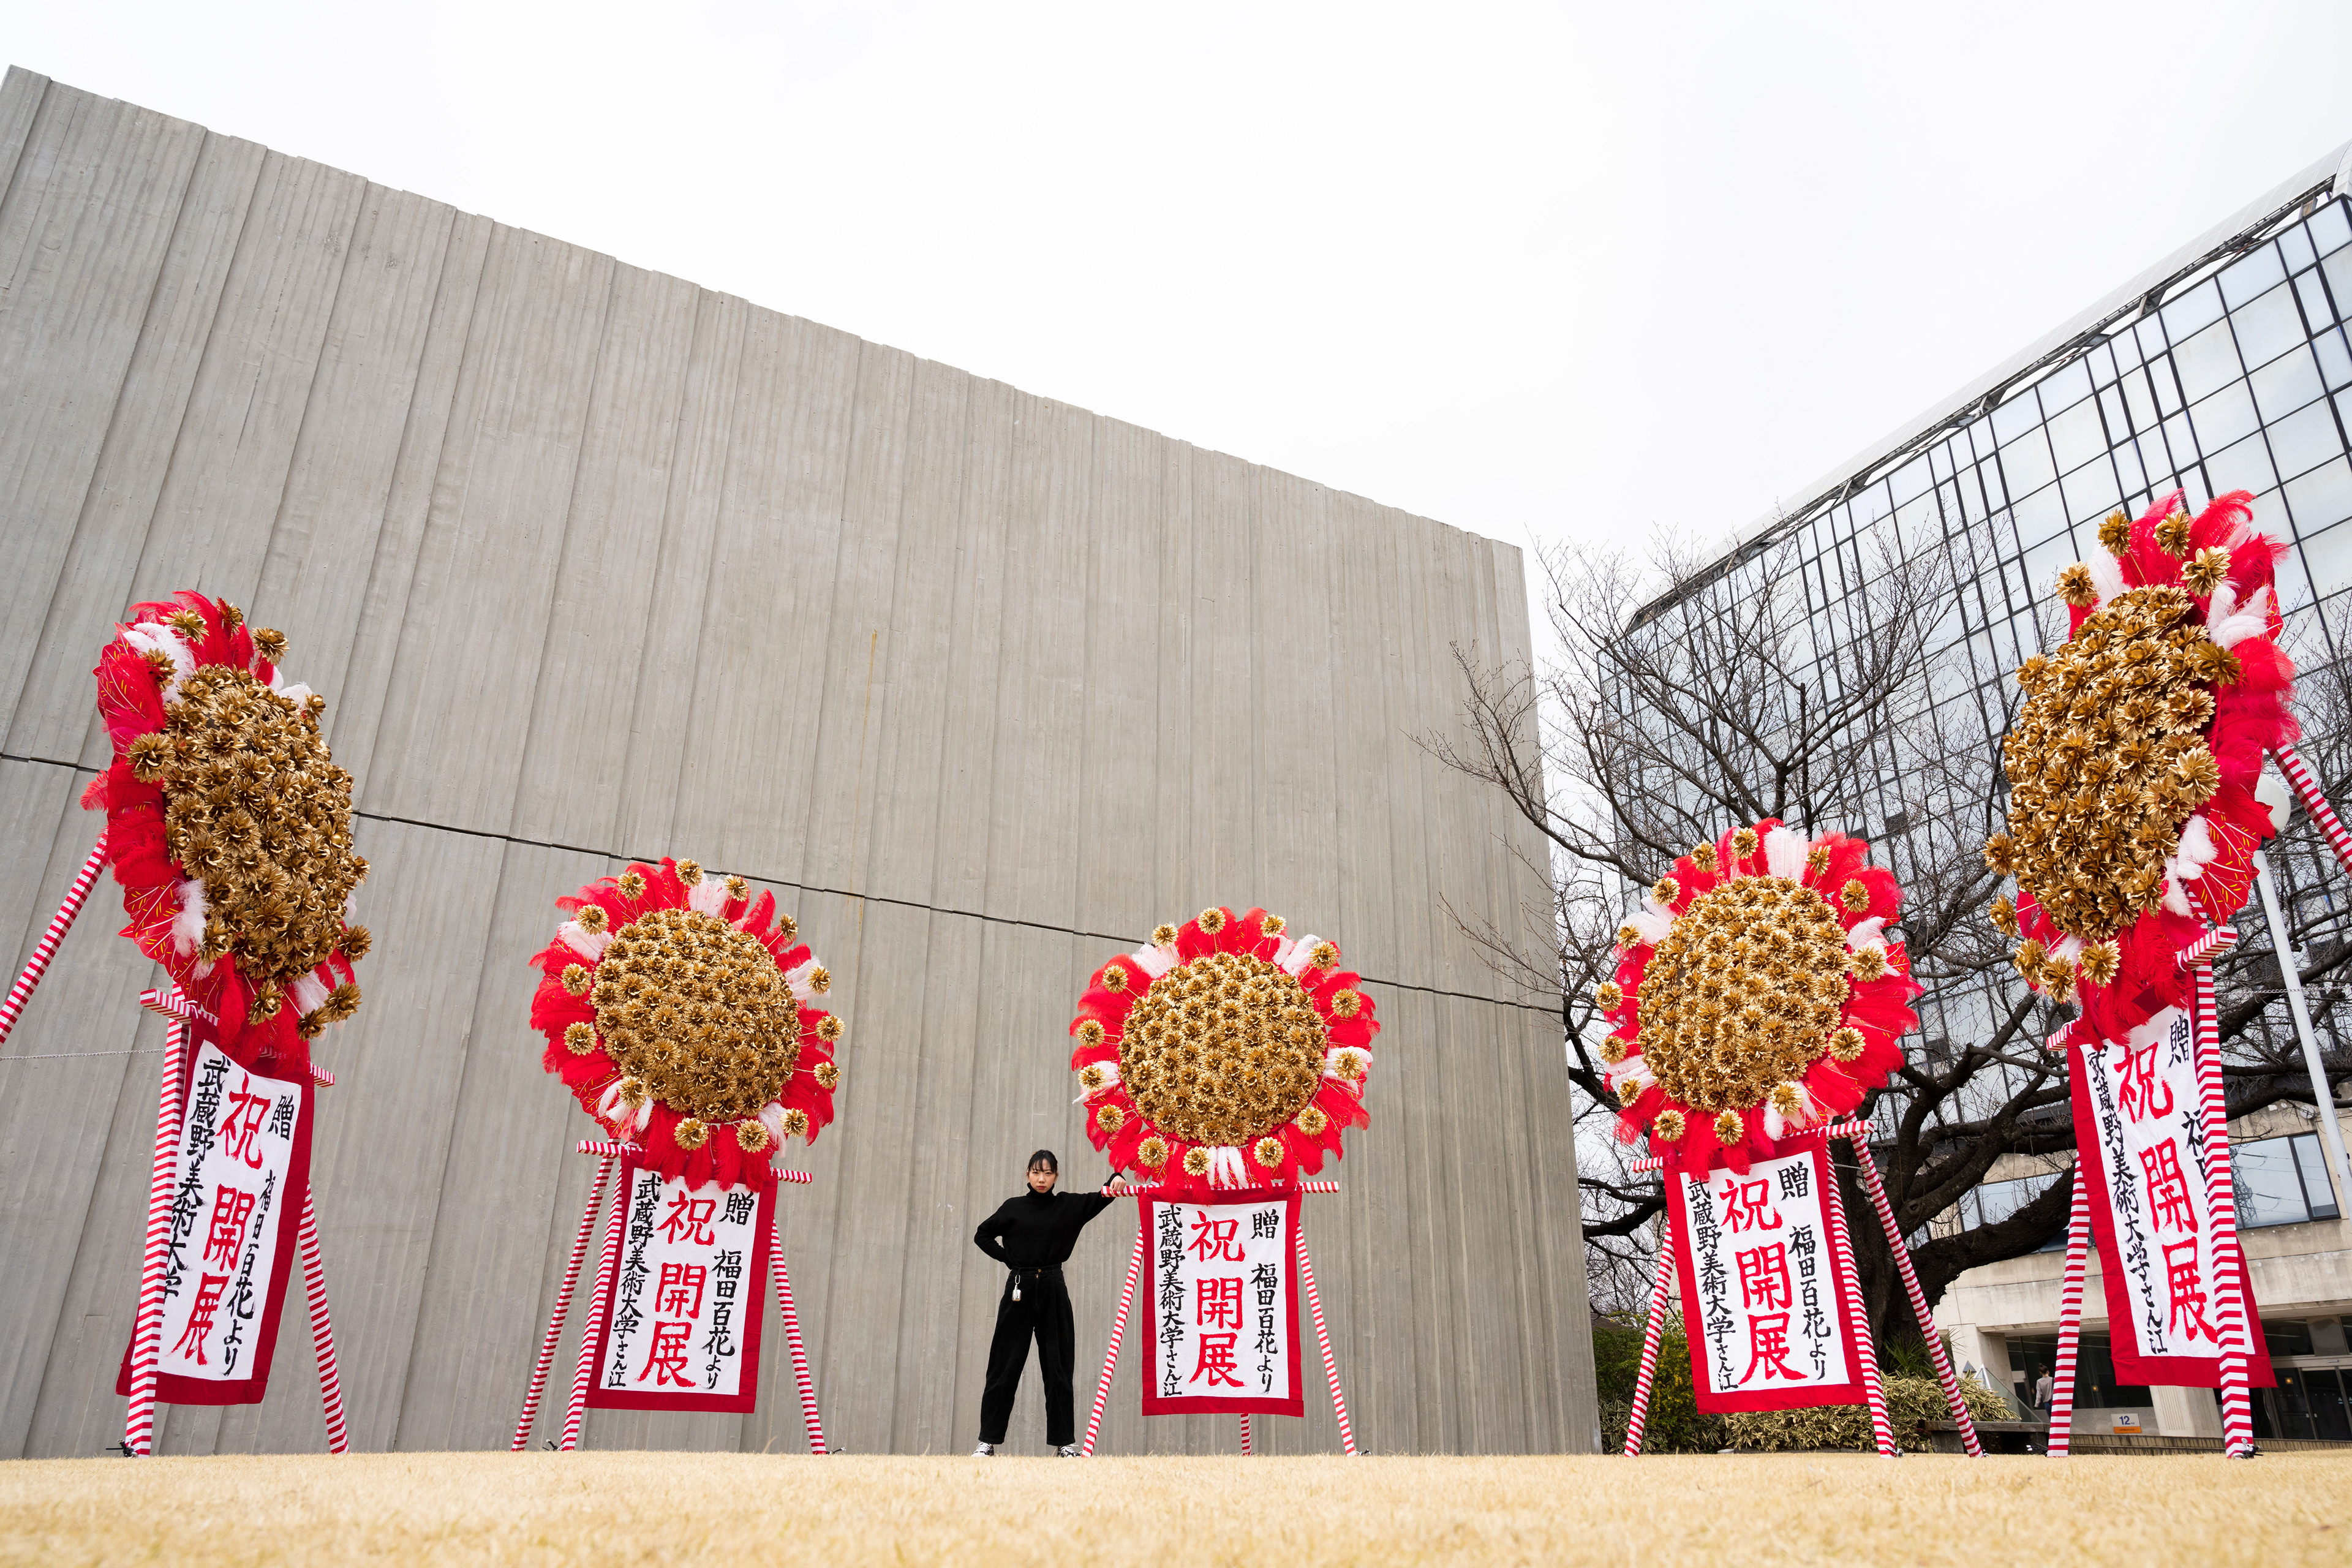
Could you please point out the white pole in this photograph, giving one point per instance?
(2330, 1132)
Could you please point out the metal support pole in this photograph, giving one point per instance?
(2331, 1133)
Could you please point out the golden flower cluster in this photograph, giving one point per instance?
(256, 809)
(696, 1009)
(1742, 992)
(2107, 761)
(1223, 1048)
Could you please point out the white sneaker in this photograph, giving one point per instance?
(1068, 1451)
(985, 1451)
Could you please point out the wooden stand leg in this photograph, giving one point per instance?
(146, 1338)
(563, 1308)
(1902, 1250)
(1651, 1336)
(1874, 1389)
(2222, 1214)
(322, 1330)
(1323, 1338)
(1118, 1331)
(45, 949)
(608, 1269)
(2070, 1319)
(810, 1422)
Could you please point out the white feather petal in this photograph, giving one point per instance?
(1784, 853)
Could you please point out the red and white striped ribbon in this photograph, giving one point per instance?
(1323, 1338)
(43, 951)
(172, 1005)
(1640, 1415)
(1902, 1250)
(2070, 1317)
(2207, 948)
(1874, 1391)
(799, 1178)
(1245, 1435)
(2307, 790)
(562, 1307)
(608, 1268)
(2222, 1214)
(809, 1419)
(147, 1335)
(1118, 1331)
(610, 1149)
(1317, 1186)
(1834, 1130)
(322, 1329)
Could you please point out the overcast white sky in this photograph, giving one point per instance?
(1545, 272)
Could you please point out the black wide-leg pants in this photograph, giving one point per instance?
(1043, 1311)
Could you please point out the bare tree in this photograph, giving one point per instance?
(1668, 717)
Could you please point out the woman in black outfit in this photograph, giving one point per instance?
(1032, 1235)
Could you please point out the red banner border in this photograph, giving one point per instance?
(746, 1397)
(1817, 1393)
(177, 1388)
(1203, 1405)
(2134, 1370)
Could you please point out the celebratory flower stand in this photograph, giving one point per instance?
(682, 1016)
(1756, 1001)
(1225, 1059)
(2136, 810)
(228, 828)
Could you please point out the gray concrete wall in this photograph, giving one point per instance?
(591, 565)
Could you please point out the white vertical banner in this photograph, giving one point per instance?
(1764, 1310)
(2141, 1145)
(681, 1327)
(1221, 1298)
(238, 1176)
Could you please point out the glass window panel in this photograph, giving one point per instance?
(2067, 386)
(2294, 245)
(2039, 516)
(2206, 362)
(2318, 311)
(2025, 464)
(2317, 1190)
(2111, 410)
(2268, 327)
(2328, 557)
(2305, 637)
(1910, 479)
(2139, 400)
(2269, 1188)
(2245, 466)
(2092, 491)
(2328, 227)
(2223, 417)
(2285, 384)
(2338, 271)
(2129, 473)
(2270, 514)
(2076, 435)
(2167, 386)
(2293, 582)
(2013, 418)
(2192, 311)
(2045, 561)
(2103, 364)
(2321, 498)
(2305, 440)
(2249, 274)
(2335, 359)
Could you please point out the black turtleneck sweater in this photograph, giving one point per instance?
(1037, 1230)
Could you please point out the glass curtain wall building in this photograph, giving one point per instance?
(2226, 366)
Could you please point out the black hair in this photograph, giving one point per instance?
(1044, 1157)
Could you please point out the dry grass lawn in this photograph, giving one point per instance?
(1759, 1511)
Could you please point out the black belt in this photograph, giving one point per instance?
(1054, 1270)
